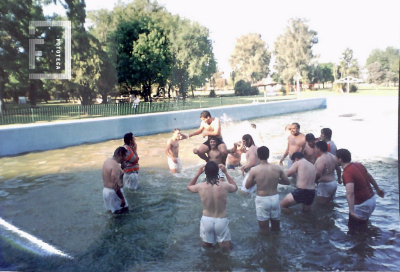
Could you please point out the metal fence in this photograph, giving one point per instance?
(54, 113)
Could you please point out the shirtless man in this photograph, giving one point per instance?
(251, 161)
(233, 160)
(267, 176)
(213, 224)
(326, 165)
(172, 151)
(113, 194)
(326, 135)
(305, 191)
(256, 135)
(215, 155)
(209, 127)
(310, 151)
(296, 142)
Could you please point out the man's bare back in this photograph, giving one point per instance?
(112, 174)
(326, 165)
(305, 174)
(266, 176)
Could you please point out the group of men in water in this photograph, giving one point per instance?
(312, 161)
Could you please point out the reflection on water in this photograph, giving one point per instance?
(57, 196)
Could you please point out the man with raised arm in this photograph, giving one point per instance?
(233, 159)
(305, 192)
(172, 150)
(214, 224)
(267, 176)
(251, 161)
(310, 151)
(326, 164)
(296, 142)
(209, 127)
(113, 194)
(359, 193)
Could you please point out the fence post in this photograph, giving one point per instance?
(200, 102)
(79, 112)
(33, 120)
(118, 109)
(220, 101)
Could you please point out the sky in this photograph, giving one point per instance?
(359, 25)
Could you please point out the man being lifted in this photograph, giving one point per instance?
(209, 127)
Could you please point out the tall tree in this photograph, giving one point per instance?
(250, 58)
(143, 54)
(293, 50)
(376, 74)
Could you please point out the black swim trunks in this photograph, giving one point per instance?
(304, 196)
(219, 141)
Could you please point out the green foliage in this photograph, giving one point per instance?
(250, 58)
(388, 60)
(212, 94)
(254, 91)
(376, 74)
(353, 88)
(283, 90)
(243, 88)
(293, 51)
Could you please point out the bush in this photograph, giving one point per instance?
(242, 88)
(254, 91)
(353, 88)
(212, 93)
(283, 90)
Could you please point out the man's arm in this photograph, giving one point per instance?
(250, 182)
(283, 178)
(184, 136)
(233, 188)
(250, 163)
(197, 132)
(350, 199)
(379, 192)
(292, 170)
(116, 175)
(284, 155)
(303, 146)
(192, 184)
(339, 173)
(216, 131)
(233, 149)
(319, 167)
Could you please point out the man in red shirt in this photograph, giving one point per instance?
(359, 193)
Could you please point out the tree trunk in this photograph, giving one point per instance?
(104, 97)
(32, 93)
(182, 90)
(191, 86)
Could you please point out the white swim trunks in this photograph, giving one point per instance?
(172, 165)
(131, 180)
(268, 207)
(365, 209)
(214, 229)
(243, 188)
(327, 189)
(111, 200)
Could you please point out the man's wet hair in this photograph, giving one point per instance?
(253, 125)
(327, 132)
(205, 114)
(249, 140)
(343, 154)
(211, 170)
(297, 155)
(322, 145)
(128, 138)
(175, 129)
(297, 125)
(310, 137)
(120, 151)
(263, 153)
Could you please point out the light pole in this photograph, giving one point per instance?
(1, 96)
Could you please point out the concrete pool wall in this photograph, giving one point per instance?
(19, 139)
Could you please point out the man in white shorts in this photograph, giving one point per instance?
(113, 194)
(172, 150)
(251, 161)
(267, 176)
(326, 164)
(214, 225)
(359, 193)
